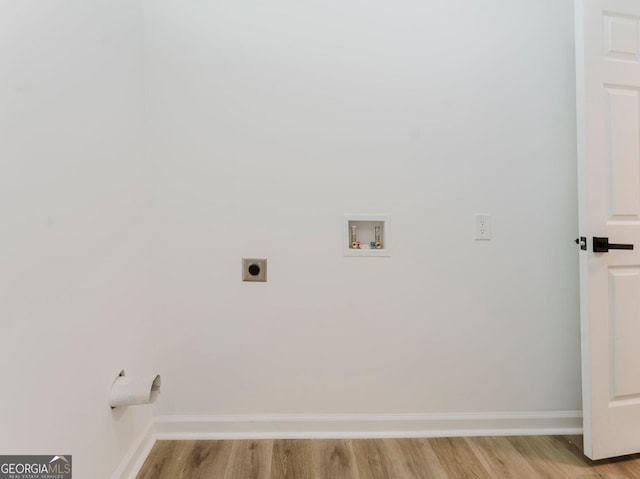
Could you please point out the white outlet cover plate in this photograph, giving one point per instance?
(482, 227)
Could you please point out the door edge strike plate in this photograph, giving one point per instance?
(582, 241)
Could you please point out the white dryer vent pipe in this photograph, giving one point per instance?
(134, 390)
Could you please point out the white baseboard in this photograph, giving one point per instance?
(368, 425)
(133, 461)
(336, 426)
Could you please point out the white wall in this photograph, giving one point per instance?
(266, 122)
(74, 298)
(270, 120)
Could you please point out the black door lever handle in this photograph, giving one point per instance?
(602, 245)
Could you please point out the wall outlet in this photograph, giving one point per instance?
(254, 269)
(483, 227)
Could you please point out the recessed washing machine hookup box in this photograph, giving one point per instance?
(367, 235)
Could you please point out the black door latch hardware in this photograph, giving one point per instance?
(602, 245)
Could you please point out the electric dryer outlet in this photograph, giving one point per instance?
(254, 269)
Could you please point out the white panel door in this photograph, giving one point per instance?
(608, 83)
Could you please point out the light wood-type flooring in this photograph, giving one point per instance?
(530, 457)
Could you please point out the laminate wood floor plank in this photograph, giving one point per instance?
(626, 467)
(157, 462)
(433, 465)
(334, 459)
(176, 460)
(573, 462)
(501, 459)
(457, 458)
(414, 459)
(537, 457)
(250, 459)
(530, 457)
(292, 459)
(372, 459)
(207, 459)
(573, 445)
